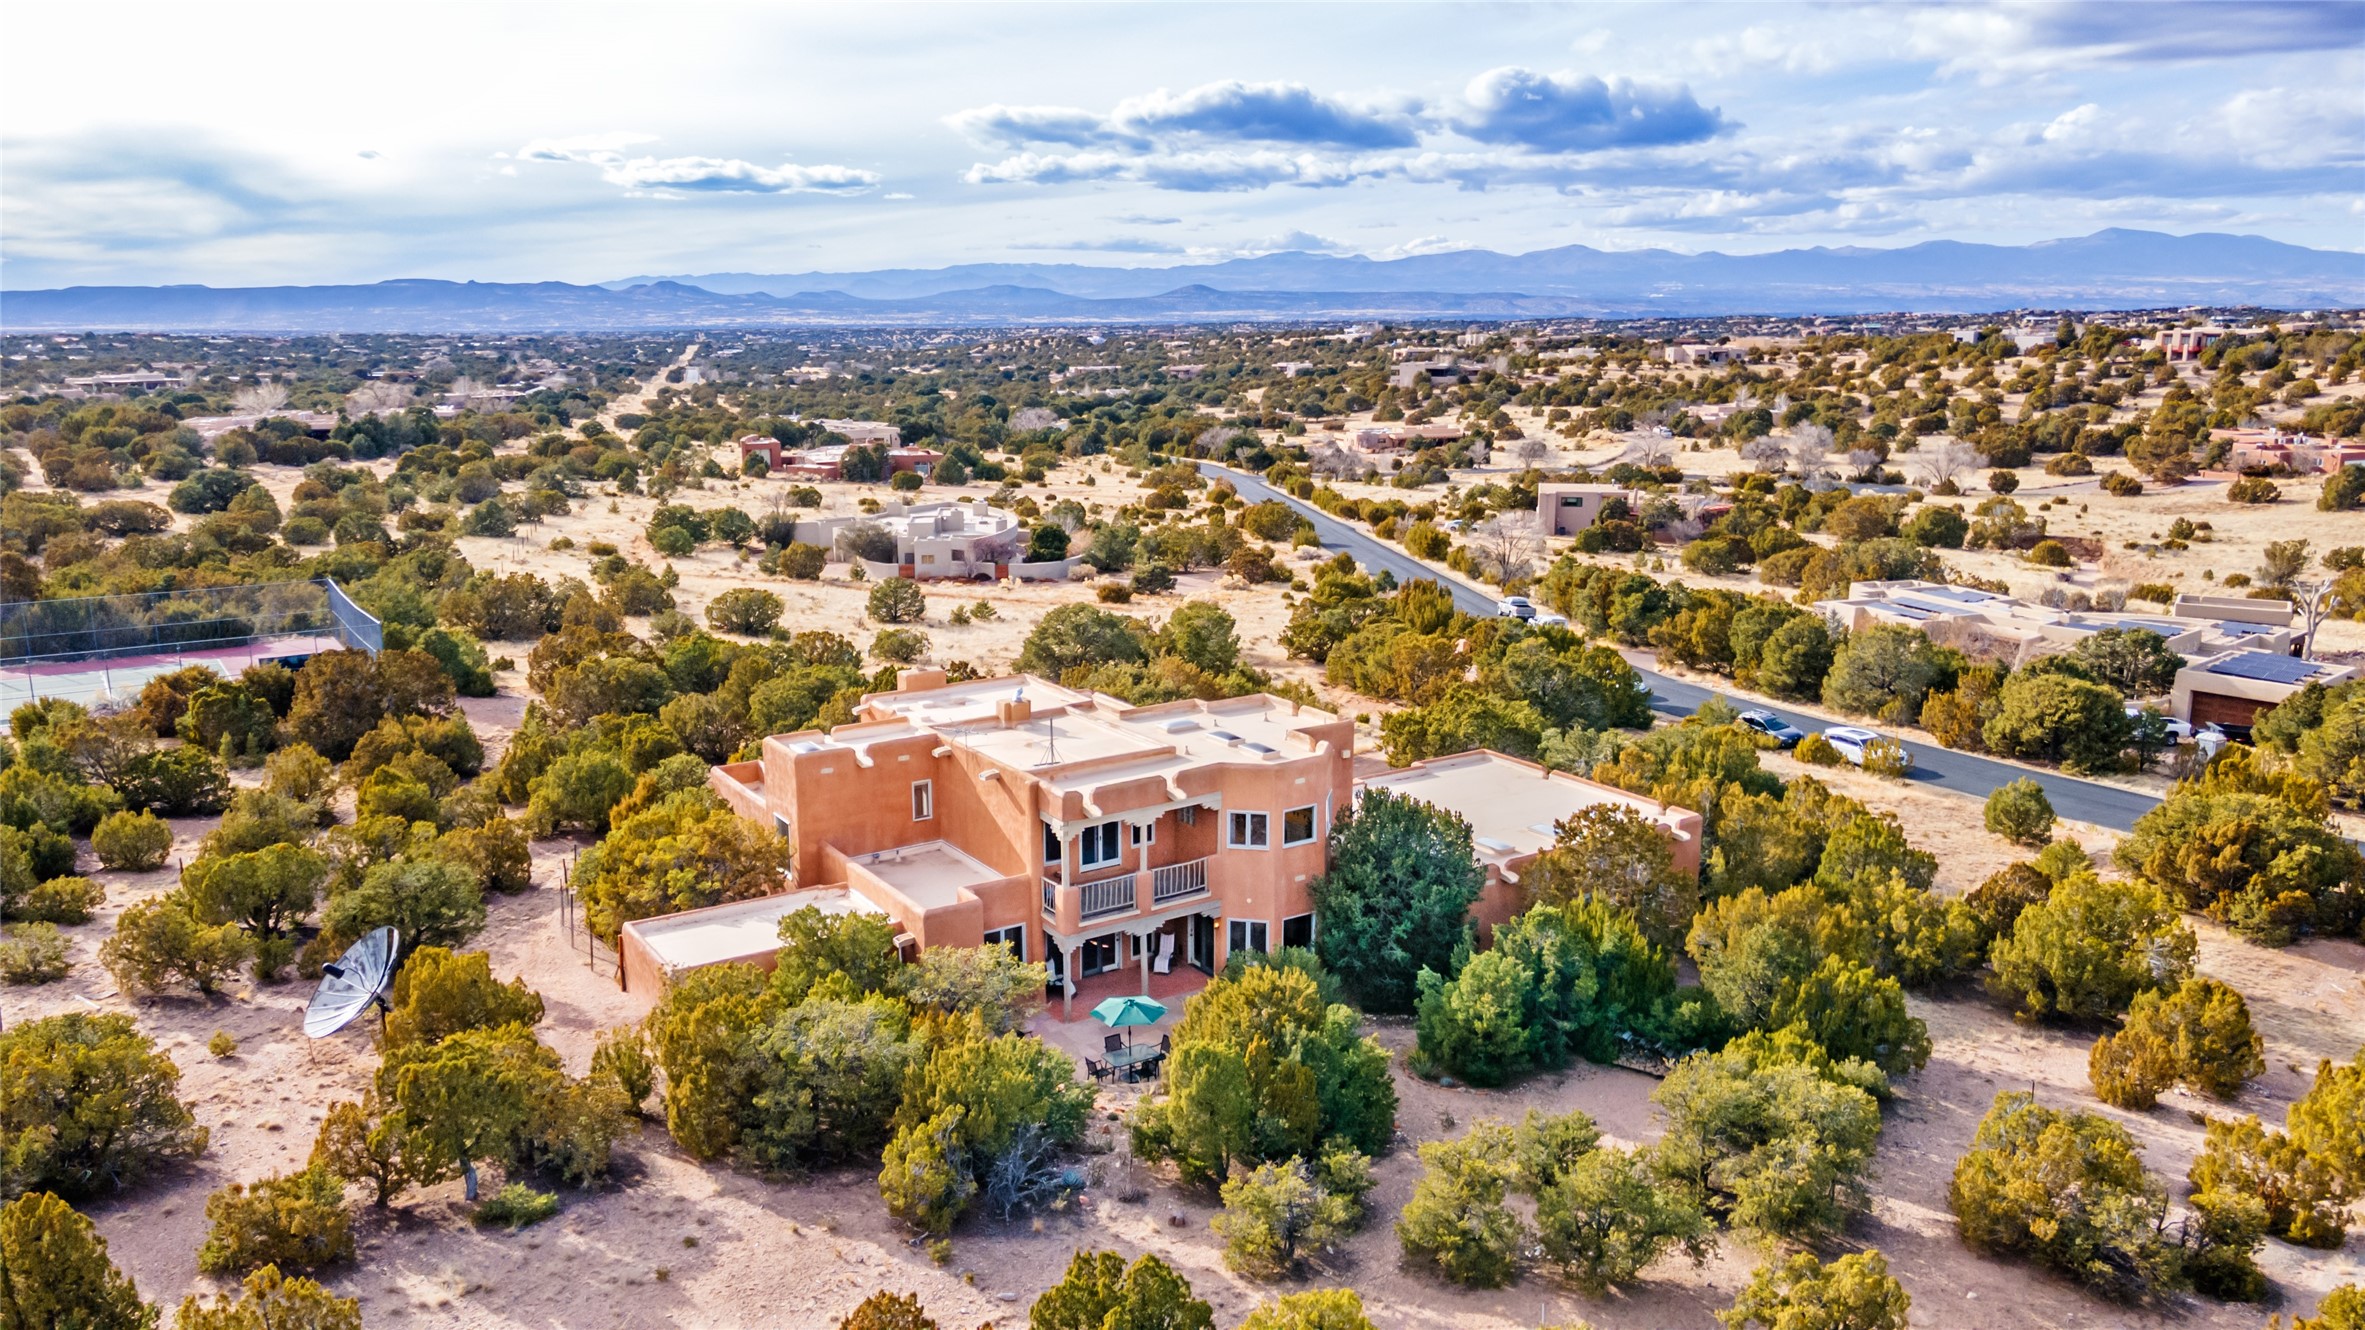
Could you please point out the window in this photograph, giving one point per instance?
(1297, 825)
(1249, 935)
(1249, 831)
(1013, 937)
(780, 824)
(1098, 845)
(1098, 954)
(1145, 835)
(923, 800)
(1297, 931)
(1050, 844)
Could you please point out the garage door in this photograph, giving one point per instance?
(2219, 709)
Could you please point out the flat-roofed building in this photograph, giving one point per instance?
(1989, 625)
(650, 952)
(1564, 508)
(2234, 688)
(1514, 807)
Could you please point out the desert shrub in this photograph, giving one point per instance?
(2253, 489)
(2254, 848)
(1574, 980)
(2067, 1191)
(515, 1206)
(1853, 1013)
(1395, 897)
(2019, 812)
(622, 1056)
(1275, 1213)
(32, 953)
(2303, 1202)
(1314, 1309)
(2198, 1035)
(1997, 902)
(897, 600)
(1854, 1292)
(439, 993)
(1772, 1133)
(2121, 484)
(161, 942)
(88, 1105)
(899, 646)
(2328, 1122)
(1817, 751)
(746, 609)
(366, 1143)
(270, 1301)
(1101, 1292)
(133, 842)
(296, 1221)
(976, 1105)
(55, 1273)
(60, 900)
(1606, 1217)
(2050, 554)
(1457, 1222)
(2089, 948)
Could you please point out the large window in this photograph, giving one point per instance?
(1250, 935)
(1013, 937)
(1297, 931)
(1297, 825)
(1249, 831)
(923, 800)
(1100, 844)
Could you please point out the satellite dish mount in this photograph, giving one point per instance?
(353, 983)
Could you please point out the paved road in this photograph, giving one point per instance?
(1964, 773)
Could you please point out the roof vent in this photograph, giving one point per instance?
(1490, 843)
(1226, 735)
(1259, 749)
(1180, 725)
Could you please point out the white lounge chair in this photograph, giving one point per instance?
(1163, 962)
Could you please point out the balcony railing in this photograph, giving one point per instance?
(1176, 882)
(1110, 895)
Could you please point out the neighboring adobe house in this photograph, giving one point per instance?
(827, 462)
(2234, 688)
(1988, 625)
(1105, 839)
(1564, 508)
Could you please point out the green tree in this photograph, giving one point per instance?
(1101, 1292)
(297, 1221)
(1752, 947)
(366, 1143)
(2019, 812)
(2253, 847)
(883, 1310)
(2198, 1034)
(1457, 1221)
(269, 1301)
(702, 1036)
(2068, 1191)
(1854, 1292)
(2136, 661)
(1275, 1213)
(1081, 635)
(1263, 1070)
(2303, 1202)
(2328, 1122)
(1560, 982)
(431, 902)
(1204, 634)
(1397, 896)
(1773, 1133)
(55, 1273)
(827, 1074)
(854, 951)
(1606, 1217)
(1854, 1013)
(1886, 671)
(2343, 490)
(439, 993)
(469, 1097)
(88, 1105)
(973, 1100)
(1614, 852)
(2060, 718)
(1047, 543)
(748, 610)
(897, 600)
(2089, 948)
(266, 891)
(1314, 1309)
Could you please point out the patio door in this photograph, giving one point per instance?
(1203, 942)
(1098, 954)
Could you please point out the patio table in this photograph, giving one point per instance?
(1132, 1058)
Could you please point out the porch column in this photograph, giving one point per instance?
(1141, 944)
(1067, 988)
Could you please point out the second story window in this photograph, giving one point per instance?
(1297, 825)
(1099, 844)
(1249, 831)
(923, 800)
(1050, 844)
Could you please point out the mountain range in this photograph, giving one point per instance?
(2112, 269)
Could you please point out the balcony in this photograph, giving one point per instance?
(1175, 882)
(1109, 896)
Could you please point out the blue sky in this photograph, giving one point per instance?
(260, 144)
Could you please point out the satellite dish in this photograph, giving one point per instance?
(348, 987)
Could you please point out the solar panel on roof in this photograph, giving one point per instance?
(2267, 667)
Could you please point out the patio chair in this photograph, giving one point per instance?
(1112, 1043)
(1164, 964)
(1096, 1069)
(1165, 1043)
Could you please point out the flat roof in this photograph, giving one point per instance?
(737, 929)
(2268, 667)
(930, 874)
(1511, 805)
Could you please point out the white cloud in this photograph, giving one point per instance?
(674, 176)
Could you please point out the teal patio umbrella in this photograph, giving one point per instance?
(1118, 1013)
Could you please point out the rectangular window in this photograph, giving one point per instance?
(1297, 931)
(1013, 937)
(780, 824)
(1050, 844)
(1145, 835)
(1249, 935)
(923, 800)
(1098, 954)
(1188, 816)
(1297, 825)
(1100, 844)
(1249, 831)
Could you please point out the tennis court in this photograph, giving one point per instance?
(117, 680)
(101, 651)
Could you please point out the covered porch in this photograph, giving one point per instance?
(1118, 959)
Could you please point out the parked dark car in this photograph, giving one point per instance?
(1773, 727)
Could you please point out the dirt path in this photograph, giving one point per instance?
(638, 398)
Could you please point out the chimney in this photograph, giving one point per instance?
(918, 680)
(1015, 711)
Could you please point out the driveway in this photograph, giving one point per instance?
(1963, 773)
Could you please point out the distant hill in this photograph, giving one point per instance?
(2114, 269)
